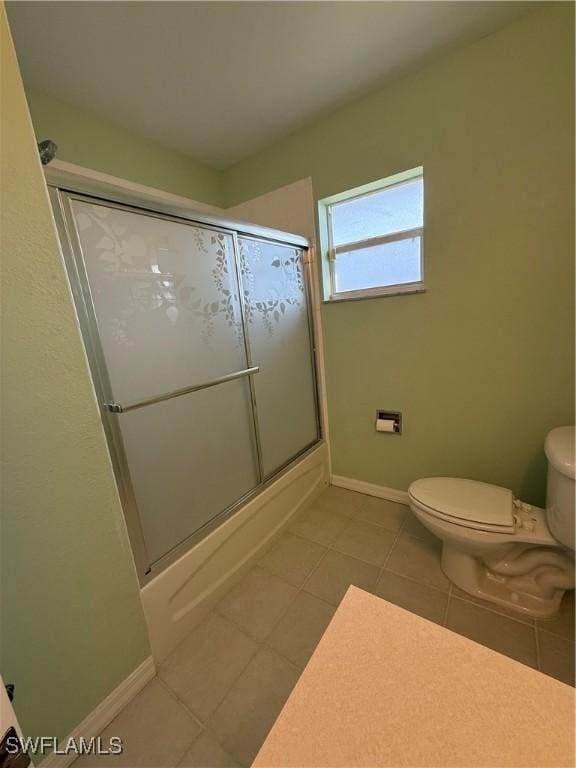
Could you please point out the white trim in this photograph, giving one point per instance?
(371, 489)
(84, 181)
(373, 293)
(105, 712)
(61, 171)
(372, 242)
(374, 186)
(329, 253)
(319, 349)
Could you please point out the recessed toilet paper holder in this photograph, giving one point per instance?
(389, 421)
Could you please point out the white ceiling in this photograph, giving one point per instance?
(221, 80)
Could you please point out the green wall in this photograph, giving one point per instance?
(86, 139)
(482, 364)
(72, 625)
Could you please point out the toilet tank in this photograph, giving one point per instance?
(560, 501)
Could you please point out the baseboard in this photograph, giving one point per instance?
(371, 489)
(104, 713)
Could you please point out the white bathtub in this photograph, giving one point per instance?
(177, 599)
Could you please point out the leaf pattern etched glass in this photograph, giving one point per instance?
(279, 338)
(166, 300)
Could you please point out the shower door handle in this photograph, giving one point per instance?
(118, 408)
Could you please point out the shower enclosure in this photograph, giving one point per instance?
(200, 341)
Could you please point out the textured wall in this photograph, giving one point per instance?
(482, 364)
(72, 625)
(87, 139)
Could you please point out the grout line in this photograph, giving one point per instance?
(259, 644)
(330, 547)
(327, 547)
(537, 639)
(389, 553)
(445, 618)
(493, 608)
(302, 588)
(183, 704)
(194, 740)
(395, 542)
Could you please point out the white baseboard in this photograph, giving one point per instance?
(371, 489)
(105, 712)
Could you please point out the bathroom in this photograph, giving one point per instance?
(187, 633)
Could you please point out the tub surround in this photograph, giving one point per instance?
(386, 687)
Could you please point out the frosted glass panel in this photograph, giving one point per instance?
(189, 459)
(276, 308)
(389, 210)
(387, 264)
(165, 297)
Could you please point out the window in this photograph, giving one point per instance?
(374, 238)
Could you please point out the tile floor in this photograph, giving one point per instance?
(218, 694)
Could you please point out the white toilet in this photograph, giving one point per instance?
(498, 548)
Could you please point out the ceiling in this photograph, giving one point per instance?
(221, 80)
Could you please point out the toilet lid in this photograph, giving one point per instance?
(467, 502)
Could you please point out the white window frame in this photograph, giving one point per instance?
(330, 252)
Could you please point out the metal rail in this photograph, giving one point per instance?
(117, 408)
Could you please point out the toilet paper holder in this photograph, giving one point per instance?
(389, 421)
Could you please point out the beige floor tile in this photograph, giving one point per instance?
(556, 656)
(413, 596)
(365, 541)
(206, 752)
(413, 527)
(320, 524)
(293, 558)
(418, 559)
(336, 573)
(155, 729)
(388, 514)
(202, 669)
(340, 500)
(257, 602)
(509, 637)
(563, 623)
(243, 720)
(300, 630)
(457, 592)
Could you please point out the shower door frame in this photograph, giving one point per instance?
(81, 292)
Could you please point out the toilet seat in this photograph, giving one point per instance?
(467, 503)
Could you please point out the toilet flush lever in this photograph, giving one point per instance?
(523, 516)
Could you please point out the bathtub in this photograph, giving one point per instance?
(182, 594)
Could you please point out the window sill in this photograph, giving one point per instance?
(376, 293)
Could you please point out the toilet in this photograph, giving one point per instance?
(498, 548)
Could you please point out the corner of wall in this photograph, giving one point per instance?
(72, 626)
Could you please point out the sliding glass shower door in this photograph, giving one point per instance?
(200, 349)
(167, 308)
(279, 337)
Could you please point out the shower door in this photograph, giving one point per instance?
(181, 319)
(279, 336)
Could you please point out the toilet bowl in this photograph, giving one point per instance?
(498, 548)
